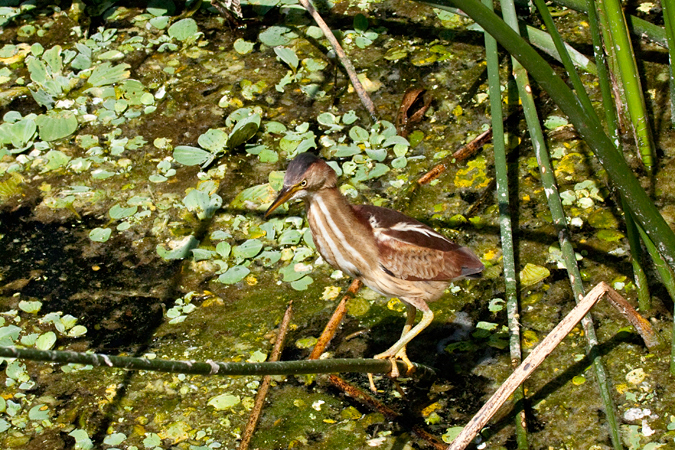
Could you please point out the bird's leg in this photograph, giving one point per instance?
(398, 350)
(410, 314)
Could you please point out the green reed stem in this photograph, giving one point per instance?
(639, 27)
(645, 212)
(630, 85)
(543, 41)
(668, 280)
(644, 298)
(214, 368)
(505, 226)
(669, 21)
(558, 214)
(636, 250)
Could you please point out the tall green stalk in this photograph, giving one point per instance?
(505, 226)
(639, 276)
(644, 298)
(668, 279)
(639, 27)
(646, 213)
(669, 21)
(630, 85)
(558, 214)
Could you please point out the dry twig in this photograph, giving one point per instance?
(346, 63)
(265, 385)
(551, 341)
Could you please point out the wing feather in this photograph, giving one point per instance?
(412, 251)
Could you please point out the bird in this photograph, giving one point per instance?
(391, 253)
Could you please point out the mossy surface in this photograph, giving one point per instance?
(160, 258)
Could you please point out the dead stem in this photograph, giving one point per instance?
(334, 322)
(346, 63)
(463, 153)
(265, 385)
(538, 355)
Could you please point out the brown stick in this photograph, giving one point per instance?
(365, 399)
(358, 87)
(353, 391)
(460, 155)
(544, 349)
(265, 385)
(334, 322)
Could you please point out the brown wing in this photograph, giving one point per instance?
(412, 251)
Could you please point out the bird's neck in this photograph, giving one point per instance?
(340, 236)
(332, 200)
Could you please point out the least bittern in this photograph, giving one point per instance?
(390, 252)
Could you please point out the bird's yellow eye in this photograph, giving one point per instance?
(303, 183)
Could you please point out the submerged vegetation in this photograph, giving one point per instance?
(139, 146)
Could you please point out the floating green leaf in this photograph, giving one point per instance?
(294, 272)
(46, 341)
(192, 156)
(290, 237)
(77, 331)
(213, 140)
(223, 248)
(393, 140)
(106, 74)
(314, 65)
(56, 125)
(224, 401)
(269, 257)
(120, 212)
(276, 35)
(248, 249)
(37, 70)
(533, 274)
(39, 412)
(114, 439)
(378, 154)
(288, 56)
(254, 198)
(344, 151)
(82, 441)
(55, 160)
(244, 130)
(234, 275)
(358, 134)
(178, 249)
(243, 47)
(553, 122)
(100, 234)
(202, 203)
(22, 132)
(184, 29)
(399, 163)
(302, 284)
(31, 307)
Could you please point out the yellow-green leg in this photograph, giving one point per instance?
(398, 350)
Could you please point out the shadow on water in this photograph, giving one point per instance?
(115, 292)
(118, 295)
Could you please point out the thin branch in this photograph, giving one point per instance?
(265, 385)
(544, 349)
(349, 67)
(210, 367)
(334, 322)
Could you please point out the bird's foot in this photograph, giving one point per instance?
(402, 355)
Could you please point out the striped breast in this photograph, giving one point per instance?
(338, 235)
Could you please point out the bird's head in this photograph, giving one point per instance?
(305, 175)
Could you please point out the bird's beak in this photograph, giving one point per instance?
(284, 195)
